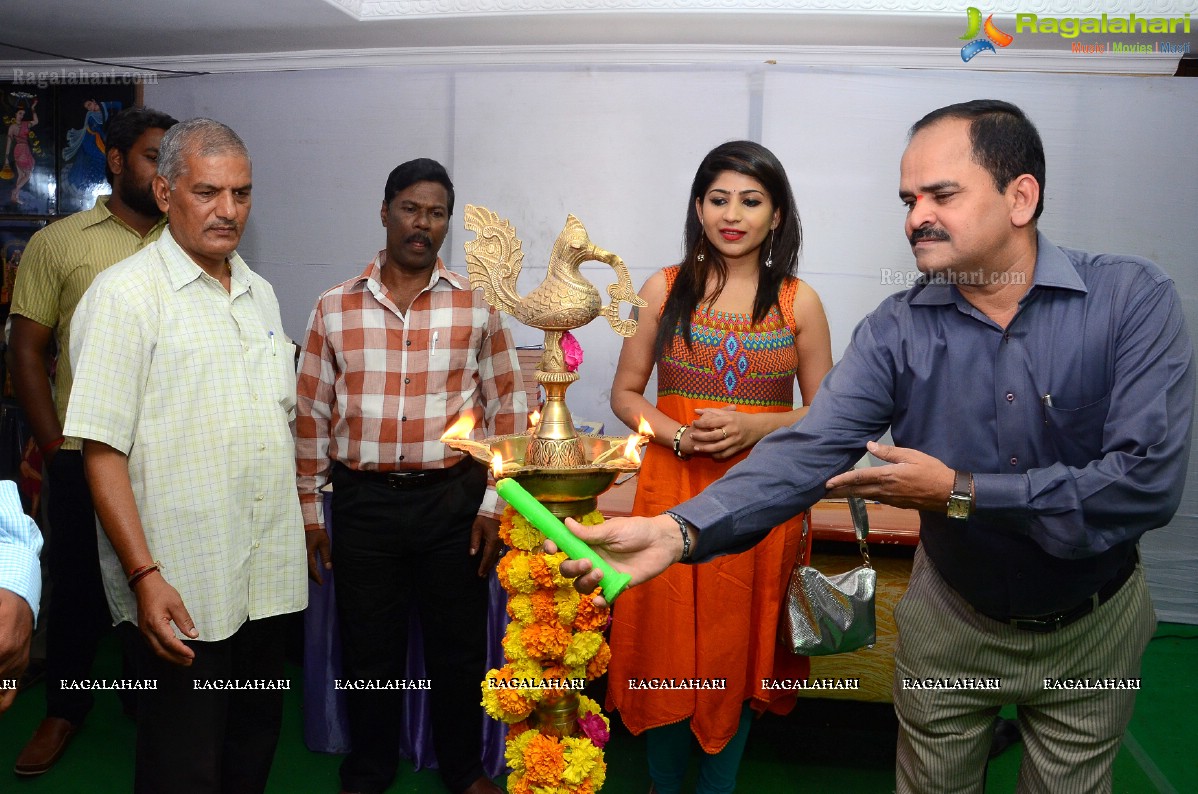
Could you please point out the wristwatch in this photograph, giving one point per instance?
(960, 501)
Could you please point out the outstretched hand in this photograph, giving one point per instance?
(913, 480)
(640, 547)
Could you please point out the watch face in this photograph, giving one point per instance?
(958, 506)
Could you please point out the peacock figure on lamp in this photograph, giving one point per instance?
(563, 469)
(554, 641)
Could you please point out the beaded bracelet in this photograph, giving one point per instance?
(678, 443)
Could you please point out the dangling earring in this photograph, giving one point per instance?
(702, 246)
(769, 257)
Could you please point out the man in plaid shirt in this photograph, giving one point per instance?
(392, 358)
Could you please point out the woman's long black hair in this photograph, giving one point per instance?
(690, 287)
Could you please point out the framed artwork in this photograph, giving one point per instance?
(27, 173)
(14, 235)
(83, 113)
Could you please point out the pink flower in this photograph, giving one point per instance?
(572, 351)
(593, 727)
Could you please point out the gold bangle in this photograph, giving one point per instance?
(678, 443)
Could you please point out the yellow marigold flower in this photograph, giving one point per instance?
(582, 646)
(582, 757)
(513, 753)
(591, 519)
(513, 645)
(524, 535)
(567, 599)
(519, 573)
(519, 608)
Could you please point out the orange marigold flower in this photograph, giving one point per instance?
(590, 617)
(518, 784)
(545, 640)
(544, 608)
(544, 761)
(540, 571)
(597, 666)
(505, 528)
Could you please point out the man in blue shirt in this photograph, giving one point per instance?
(1040, 401)
(20, 589)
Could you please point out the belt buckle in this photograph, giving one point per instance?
(1058, 621)
(1037, 625)
(400, 479)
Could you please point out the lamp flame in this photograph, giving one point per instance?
(461, 428)
(497, 466)
(534, 418)
(644, 429)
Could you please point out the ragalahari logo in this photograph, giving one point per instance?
(977, 45)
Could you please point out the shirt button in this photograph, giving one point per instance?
(258, 498)
(1014, 461)
(246, 348)
(1006, 337)
(257, 545)
(401, 457)
(403, 418)
(1010, 397)
(407, 380)
(261, 447)
(255, 398)
(408, 343)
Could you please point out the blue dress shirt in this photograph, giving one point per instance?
(1074, 420)
(20, 544)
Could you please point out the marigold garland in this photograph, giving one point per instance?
(555, 638)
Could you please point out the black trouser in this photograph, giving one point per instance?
(395, 548)
(195, 740)
(76, 613)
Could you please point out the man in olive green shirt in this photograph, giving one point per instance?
(58, 266)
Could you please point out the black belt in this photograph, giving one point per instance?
(408, 479)
(1045, 624)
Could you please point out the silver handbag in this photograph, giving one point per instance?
(831, 614)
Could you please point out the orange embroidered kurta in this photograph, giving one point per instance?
(717, 620)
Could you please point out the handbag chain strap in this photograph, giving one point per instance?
(860, 527)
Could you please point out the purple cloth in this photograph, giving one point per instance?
(326, 729)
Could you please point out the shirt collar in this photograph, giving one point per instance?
(181, 269)
(372, 276)
(100, 214)
(1053, 270)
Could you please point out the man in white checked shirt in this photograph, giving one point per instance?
(184, 387)
(20, 589)
(392, 358)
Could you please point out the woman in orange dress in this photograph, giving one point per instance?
(729, 330)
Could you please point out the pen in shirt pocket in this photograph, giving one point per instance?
(433, 347)
(273, 350)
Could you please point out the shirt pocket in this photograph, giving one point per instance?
(1076, 434)
(282, 371)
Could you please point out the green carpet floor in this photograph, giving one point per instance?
(823, 746)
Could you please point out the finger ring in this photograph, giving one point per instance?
(725, 432)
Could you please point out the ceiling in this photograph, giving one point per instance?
(243, 34)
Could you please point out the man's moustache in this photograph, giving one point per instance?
(928, 234)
